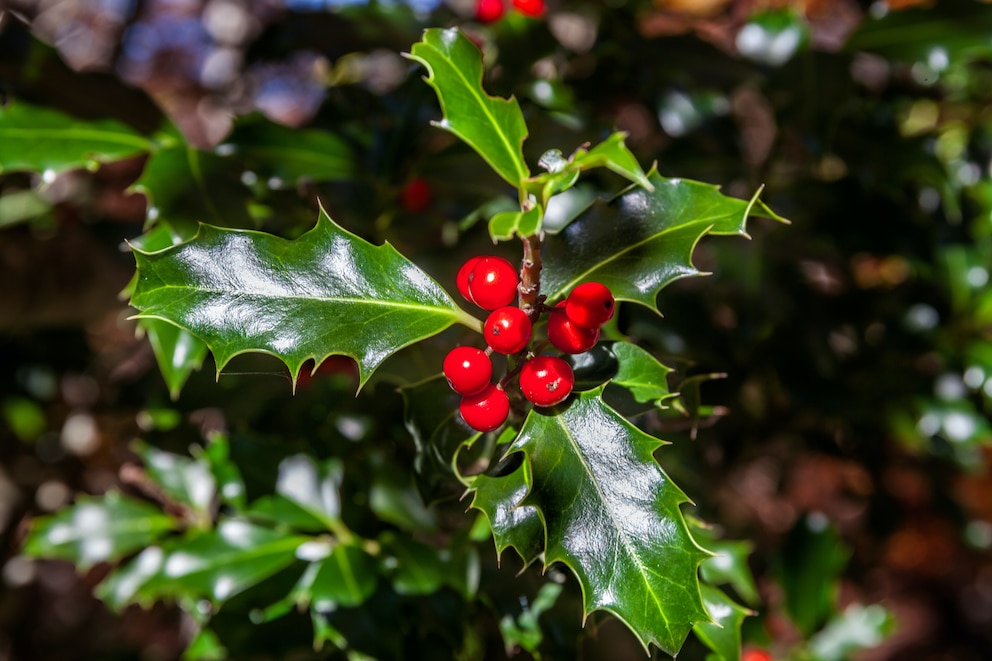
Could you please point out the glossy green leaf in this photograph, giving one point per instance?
(723, 635)
(614, 155)
(186, 186)
(641, 373)
(306, 496)
(282, 155)
(347, 577)
(512, 523)
(327, 292)
(230, 484)
(729, 565)
(430, 412)
(858, 628)
(186, 481)
(493, 127)
(613, 517)
(504, 226)
(177, 352)
(40, 139)
(809, 568)
(97, 529)
(562, 173)
(214, 565)
(642, 240)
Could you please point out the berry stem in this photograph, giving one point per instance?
(530, 277)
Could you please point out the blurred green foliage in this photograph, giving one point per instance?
(848, 443)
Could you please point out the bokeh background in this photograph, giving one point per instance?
(848, 439)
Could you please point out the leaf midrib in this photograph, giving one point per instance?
(568, 286)
(602, 497)
(323, 299)
(481, 97)
(78, 134)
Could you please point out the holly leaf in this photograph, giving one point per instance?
(346, 577)
(307, 494)
(723, 635)
(493, 127)
(808, 567)
(641, 373)
(729, 565)
(612, 516)
(40, 139)
(614, 155)
(187, 481)
(214, 565)
(97, 529)
(503, 226)
(858, 628)
(513, 524)
(643, 239)
(327, 292)
(177, 352)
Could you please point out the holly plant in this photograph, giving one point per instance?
(533, 411)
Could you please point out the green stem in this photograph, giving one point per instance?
(465, 319)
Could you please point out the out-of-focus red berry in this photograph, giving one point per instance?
(532, 8)
(416, 196)
(489, 11)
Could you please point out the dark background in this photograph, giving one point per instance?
(852, 421)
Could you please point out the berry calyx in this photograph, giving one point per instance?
(492, 283)
(546, 380)
(590, 305)
(461, 280)
(507, 330)
(485, 411)
(468, 370)
(569, 337)
(532, 8)
(416, 195)
(489, 11)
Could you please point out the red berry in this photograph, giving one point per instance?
(507, 330)
(416, 196)
(568, 337)
(487, 410)
(546, 380)
(462, 278)
(489, 11)
(468, 370)
(590, 305)
(492, 283)
(532, 8)
(756, 655)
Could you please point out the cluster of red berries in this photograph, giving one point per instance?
(490, 11)
(573, 327)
